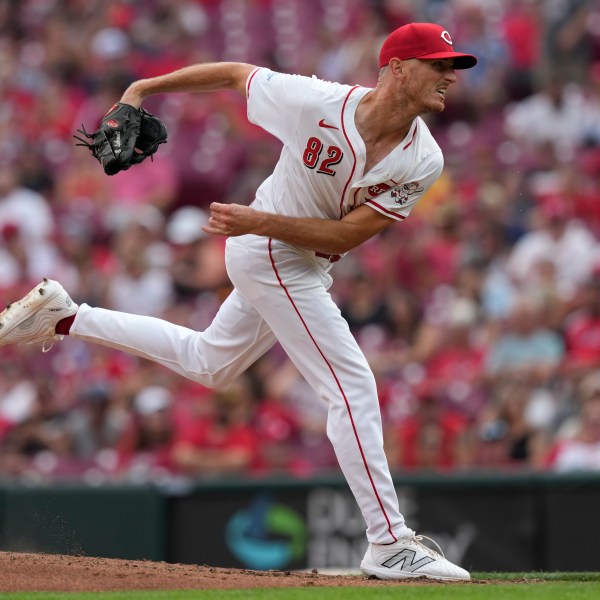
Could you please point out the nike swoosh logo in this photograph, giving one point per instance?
(323, 124)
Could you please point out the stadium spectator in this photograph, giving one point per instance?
(557, 101)
(95, 423)
(568, 42)
(27, 210)
(559, 241)
(223, 440)
(457, 363)
(523, 29)
(505, 435)
(486, 88)
(283, 383)
(434, 437)
(579, 448)
(280, 439)
(527, 348)
(198, 260)
(140, 281)
(582, 329)
(145, 445)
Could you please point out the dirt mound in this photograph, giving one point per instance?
(54, 572)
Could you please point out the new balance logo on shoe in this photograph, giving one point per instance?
(407, 558)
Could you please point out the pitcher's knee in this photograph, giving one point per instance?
(208, 376)
(218, 378)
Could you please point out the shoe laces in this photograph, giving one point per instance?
(419, 540)
(49, 342)
(47, 345)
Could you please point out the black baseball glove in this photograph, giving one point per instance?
(126, 136)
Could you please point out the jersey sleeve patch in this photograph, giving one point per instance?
(396, 200)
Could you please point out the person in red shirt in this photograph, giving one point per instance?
(456, 365)
(223, 441)
(144, 446)
(431, 438)
(582, 329)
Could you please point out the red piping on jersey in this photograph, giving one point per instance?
(351, 149)
(385, 210)
(250, 80)
(354, 200)
(413, 136)
(339, 385)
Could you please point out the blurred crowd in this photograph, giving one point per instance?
(480, 314)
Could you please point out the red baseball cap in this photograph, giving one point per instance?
(424, 41)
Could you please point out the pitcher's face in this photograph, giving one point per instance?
(427, 82)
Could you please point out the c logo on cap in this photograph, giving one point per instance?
(446, 37)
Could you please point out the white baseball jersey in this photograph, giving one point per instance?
(321, 169)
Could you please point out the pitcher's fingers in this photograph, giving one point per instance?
(213, 230)
(217, 207)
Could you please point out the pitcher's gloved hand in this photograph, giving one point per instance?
(126, 136)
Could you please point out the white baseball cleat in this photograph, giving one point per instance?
(408, 557)
(33, 318)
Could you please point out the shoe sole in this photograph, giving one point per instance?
(37, 298)
(381, 574)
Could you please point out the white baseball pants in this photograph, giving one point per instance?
(280, 294)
